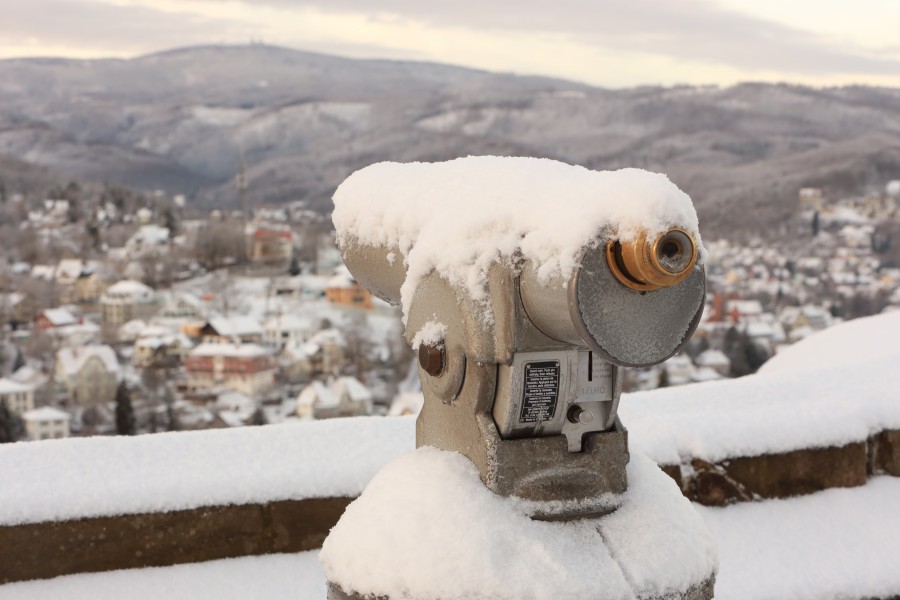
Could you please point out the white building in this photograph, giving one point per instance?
(89, 375)
(18, 397)
(127, 300)
(229, 330)
(715, 360)
(183, 306)
(46, 423)
(284, 330)
(340, 397)
(148, 239)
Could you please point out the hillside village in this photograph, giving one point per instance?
(125, 313)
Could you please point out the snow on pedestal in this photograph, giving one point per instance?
(426, 527)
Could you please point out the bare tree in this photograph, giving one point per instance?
(220, 244)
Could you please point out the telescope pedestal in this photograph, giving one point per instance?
(426, 527)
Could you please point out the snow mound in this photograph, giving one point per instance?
(852, 342)
(462, 216)
(414, 531)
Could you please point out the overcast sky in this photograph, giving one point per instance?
(604, 42)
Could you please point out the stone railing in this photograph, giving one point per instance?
(96, 504)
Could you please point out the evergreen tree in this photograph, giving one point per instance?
(258, 417)
(294, 269)
(125, 424)
(663, 380)
(11, 427)
(170, 221)
(19, 361)
(171, 417)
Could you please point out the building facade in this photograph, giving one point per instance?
(87, 375)
(247, 368)
(46, 423)
(128, 300)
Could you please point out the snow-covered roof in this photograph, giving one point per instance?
(129, 289)
(59, 317)
(11, 299)
(73, 359)
(318, 394)
(705, 374)
(236, 401)
(354, 389)
(408, 403)
(11, 386)
(288, 322)
(46, 413)
(27, 375)
(86, 329)
(712, 358)
(342, 278)
(43, 272)
(744, 307)
(323, 337)
(69, 268)
(230, 350)
(236, 326)
(151, 234)
(232, 418)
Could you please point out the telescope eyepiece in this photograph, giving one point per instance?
(673, 252)
(645, 265)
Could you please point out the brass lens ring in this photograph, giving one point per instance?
(644, 266)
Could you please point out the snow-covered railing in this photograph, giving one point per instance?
(90, 504)
(60, 480)
(103, 503)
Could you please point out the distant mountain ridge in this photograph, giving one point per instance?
(178, 120)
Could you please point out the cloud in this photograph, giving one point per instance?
(117, 29)
(695, 30)
(628, 42)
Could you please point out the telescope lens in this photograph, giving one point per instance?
(674, 252)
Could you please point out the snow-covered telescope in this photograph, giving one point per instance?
(525, 285)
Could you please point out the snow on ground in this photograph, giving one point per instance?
(272, 577)
(55, 480)
(839, 544)
(462, 216)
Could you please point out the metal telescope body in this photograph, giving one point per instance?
(531, 396)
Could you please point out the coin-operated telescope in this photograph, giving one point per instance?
(523, 299)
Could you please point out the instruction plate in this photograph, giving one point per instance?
(540, 391)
